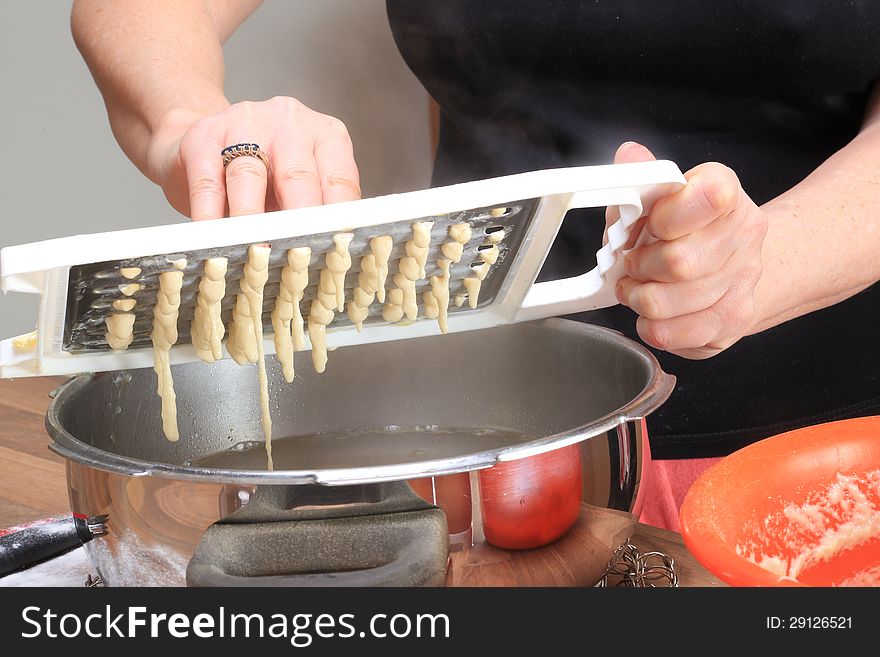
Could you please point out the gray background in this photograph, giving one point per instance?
(63, 173)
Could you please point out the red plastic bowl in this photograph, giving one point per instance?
(804, 504)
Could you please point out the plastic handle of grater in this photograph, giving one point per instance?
(595, 288)
(18, 356)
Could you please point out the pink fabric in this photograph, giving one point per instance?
(665, 488)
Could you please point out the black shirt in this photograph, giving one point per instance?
(770, 89)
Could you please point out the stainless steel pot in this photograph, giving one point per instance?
(160, 518)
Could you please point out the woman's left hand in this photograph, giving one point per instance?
(694, 287)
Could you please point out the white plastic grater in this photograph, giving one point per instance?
(78, 277)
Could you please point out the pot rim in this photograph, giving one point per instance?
(656, 391)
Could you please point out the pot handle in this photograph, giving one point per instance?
(313, 535)
(27, 545)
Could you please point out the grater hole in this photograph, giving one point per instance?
(493, 229)
(107, 274)
(485, 247)
(499, 212)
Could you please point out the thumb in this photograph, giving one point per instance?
(631, 151)
(627, 152)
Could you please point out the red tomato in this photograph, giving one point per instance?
(533, 501)
(452, 493)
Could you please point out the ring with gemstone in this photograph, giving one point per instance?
(238, 150)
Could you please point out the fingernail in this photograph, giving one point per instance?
(619, 292)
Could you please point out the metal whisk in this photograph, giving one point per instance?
(630, 568)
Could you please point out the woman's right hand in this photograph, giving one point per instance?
(309, 155)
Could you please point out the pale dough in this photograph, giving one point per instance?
(206, 330)
(365, 292)
(319, 317)
(357, 314)
(120, 332)
(392, 311)
(299, 260)
(331, 294)
(418, 246)
(286, 318)
(130, 272)
(490, 255)
(338, 262)
(164, 335)
(125, 305)
(381, 249)
(241, 343)
(368, 281)
(481, 270)
(409, 268)
(327, 289)
(26, 342)
(461, 233)
(408, 302)
(452, 250)
(282, 315)
(432, 308)
(256, 273)
(440, 292)
(472, 285)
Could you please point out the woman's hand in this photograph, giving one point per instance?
(310, 160)
(694, 287)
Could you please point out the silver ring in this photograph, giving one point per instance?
(239, 150)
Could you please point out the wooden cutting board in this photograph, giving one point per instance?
(579, 558)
